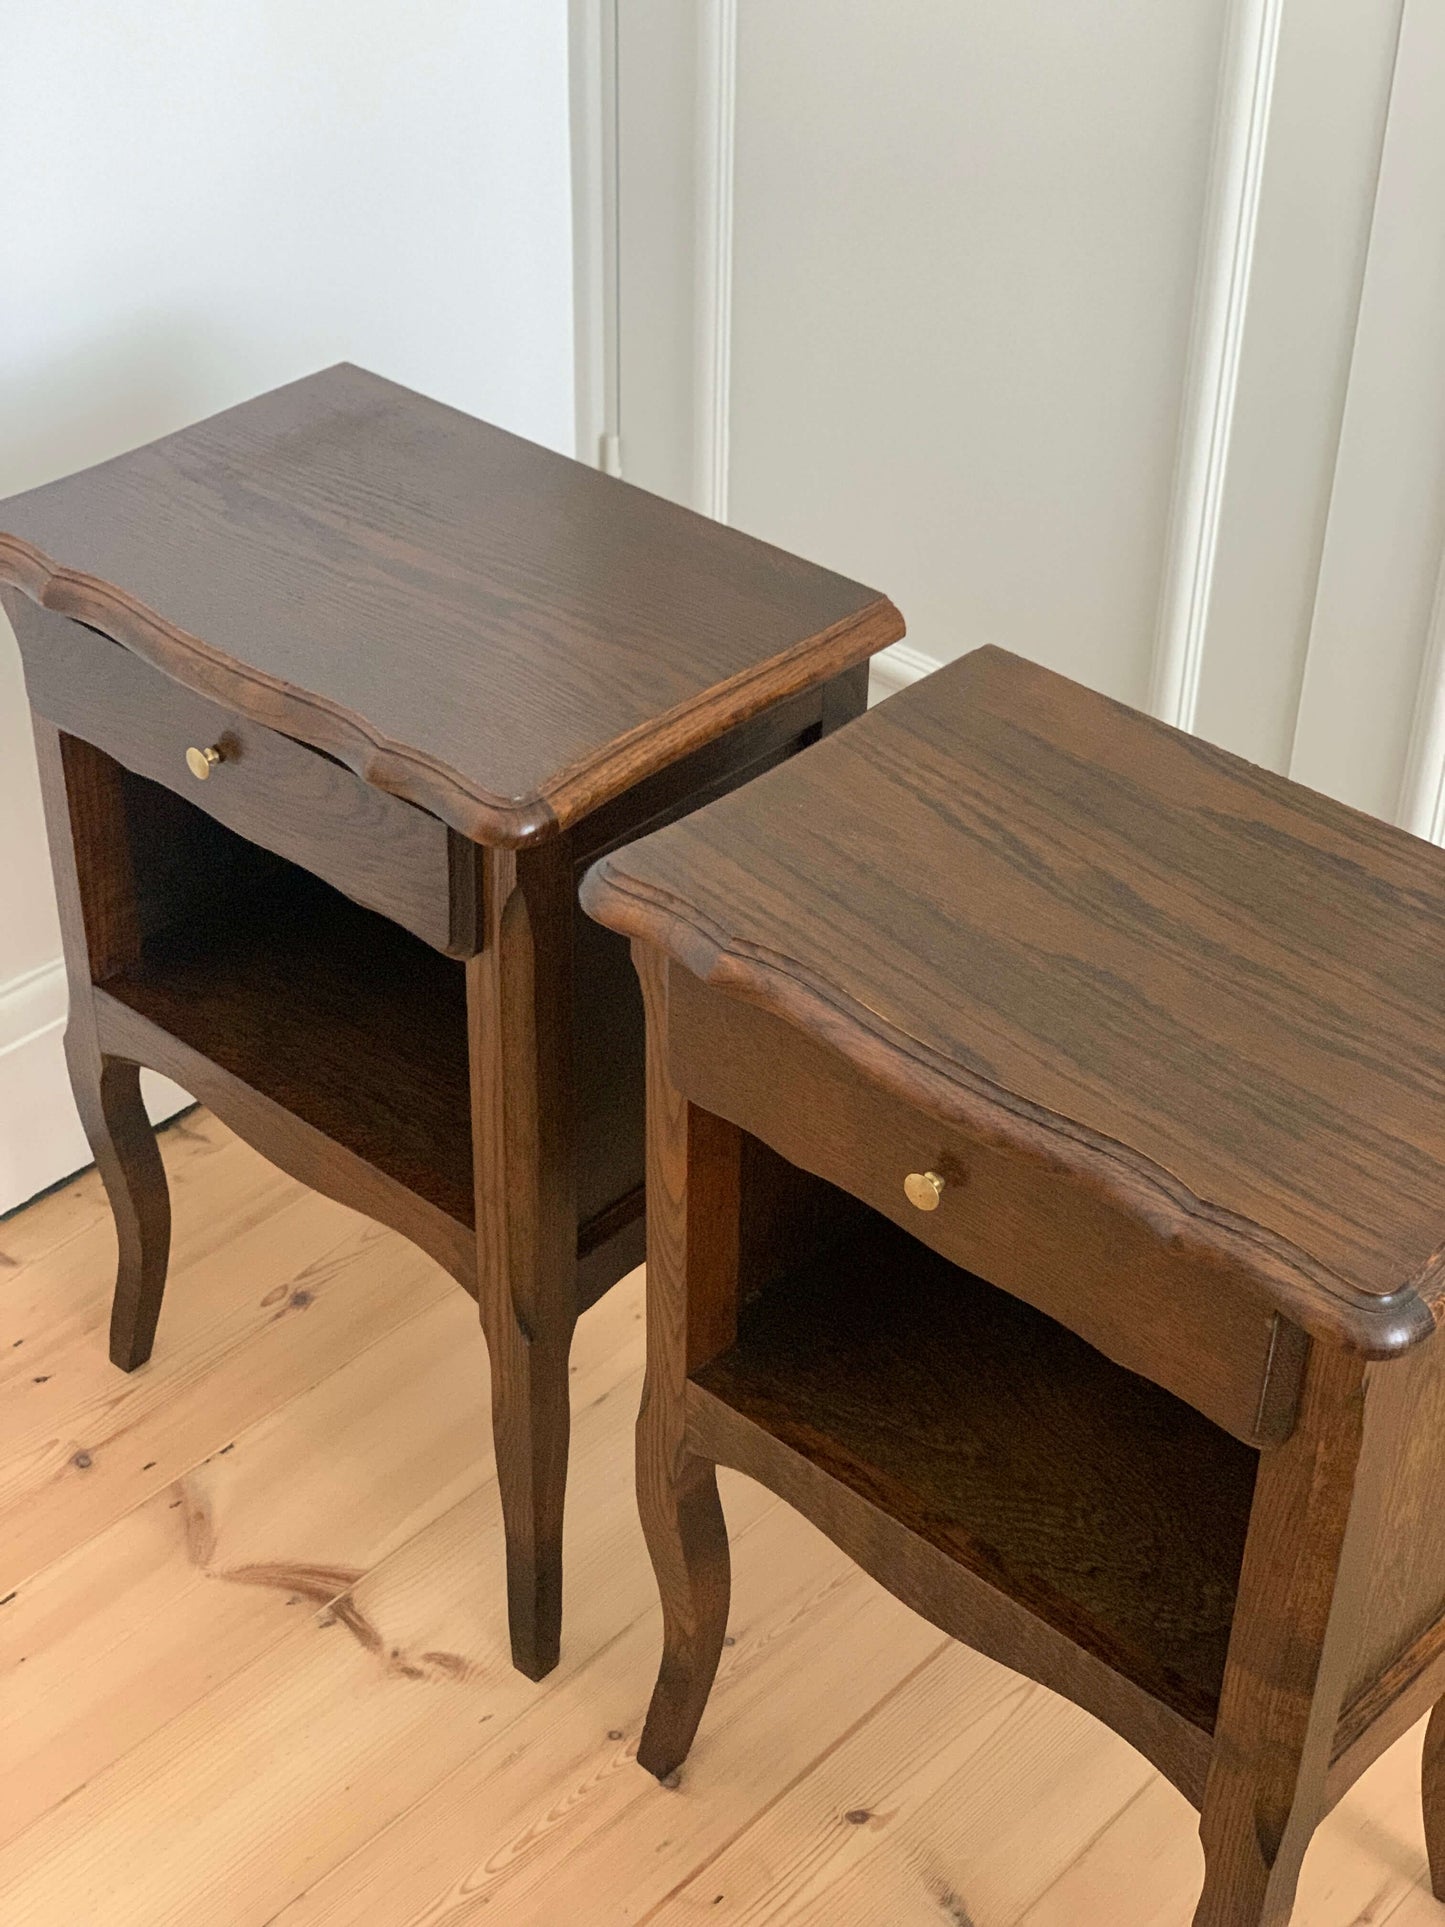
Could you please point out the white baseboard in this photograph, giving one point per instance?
(41, 1141)
(895, 668)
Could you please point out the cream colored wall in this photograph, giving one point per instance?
(1110, 334)
(203, 200)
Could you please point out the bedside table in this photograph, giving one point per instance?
(335, 694)
(1009, 983)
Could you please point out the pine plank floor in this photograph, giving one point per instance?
(253, 1666)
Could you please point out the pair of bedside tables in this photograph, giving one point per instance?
(1045, 1149)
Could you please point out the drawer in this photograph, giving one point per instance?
(373, 847)
(1177, 1316)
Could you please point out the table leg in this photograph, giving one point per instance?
(1312, 1537)
(693, 1166)
(123, 1144)
(95, 888)
(1432, 1777)
(845, 697)
(520, 1025)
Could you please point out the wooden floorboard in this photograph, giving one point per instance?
(253, 1667)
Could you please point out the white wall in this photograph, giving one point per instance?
(204, 199)
(964, 252)
(1103, 332)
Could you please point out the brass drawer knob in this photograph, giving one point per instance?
(200, 762)
(924, 1189)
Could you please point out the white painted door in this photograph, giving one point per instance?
(1046, 317)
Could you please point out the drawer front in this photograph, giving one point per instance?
(1189, 1323)
(378, 850)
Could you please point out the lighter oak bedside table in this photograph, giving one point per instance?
(335, 694)
(1046, 1194)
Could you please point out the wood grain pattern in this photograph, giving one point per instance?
(1021, 907)
(339, 1016)
(337, 1167)
(289, 799)
(519, 1023)
(1100, 1504)
(566, 635)
(101, 919)
(1310, 1540)
(273, 1288)
(1194, 1326)
(1165, 1029)
(365, 601)
(1432, 1788)
(183, 1744)
(1402, 1610)
(693, 1247)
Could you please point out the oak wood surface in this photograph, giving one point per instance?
(1164, 1030)
(362, 601)
(694, 1166)
(1112, 947)
(191, 1734)
(337, 1043)
(1105, 1507)
(103, 923)
(1432, 1787)
(1402, 1610)
(1313, 1533)
(519, 1020)
(337, 1015)
(335, 1162)
(565, 635)
(387, 1075)
(292, 800)
(1198, 1327)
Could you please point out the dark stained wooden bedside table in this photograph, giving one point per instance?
(1006, 982)
(335, 694)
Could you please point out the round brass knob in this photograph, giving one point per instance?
(924, 1189)
(200, 762)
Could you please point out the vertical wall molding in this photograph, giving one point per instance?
(1216, 341)
(1371, 723)
(592, 52)
(1422, 790)
(717, 130)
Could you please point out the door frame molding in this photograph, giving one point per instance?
(717, 128)
(1211, 383)
(1302, 106)
(1422, 787)
(592, 100)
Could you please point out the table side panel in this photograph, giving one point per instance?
(1402, 1618)
(1179, 1318)
(607, 1022)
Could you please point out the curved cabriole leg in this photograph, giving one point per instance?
(1432, 1786)
(91, 853)
(693, 1176)
(123, 1144)
(1241, 1891)
(687, 1537)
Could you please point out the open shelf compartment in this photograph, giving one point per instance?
(336, 1014)
(1108, 1507)
(350, 1023)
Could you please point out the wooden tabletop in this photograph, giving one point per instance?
(1028, 908)
(489, 629)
